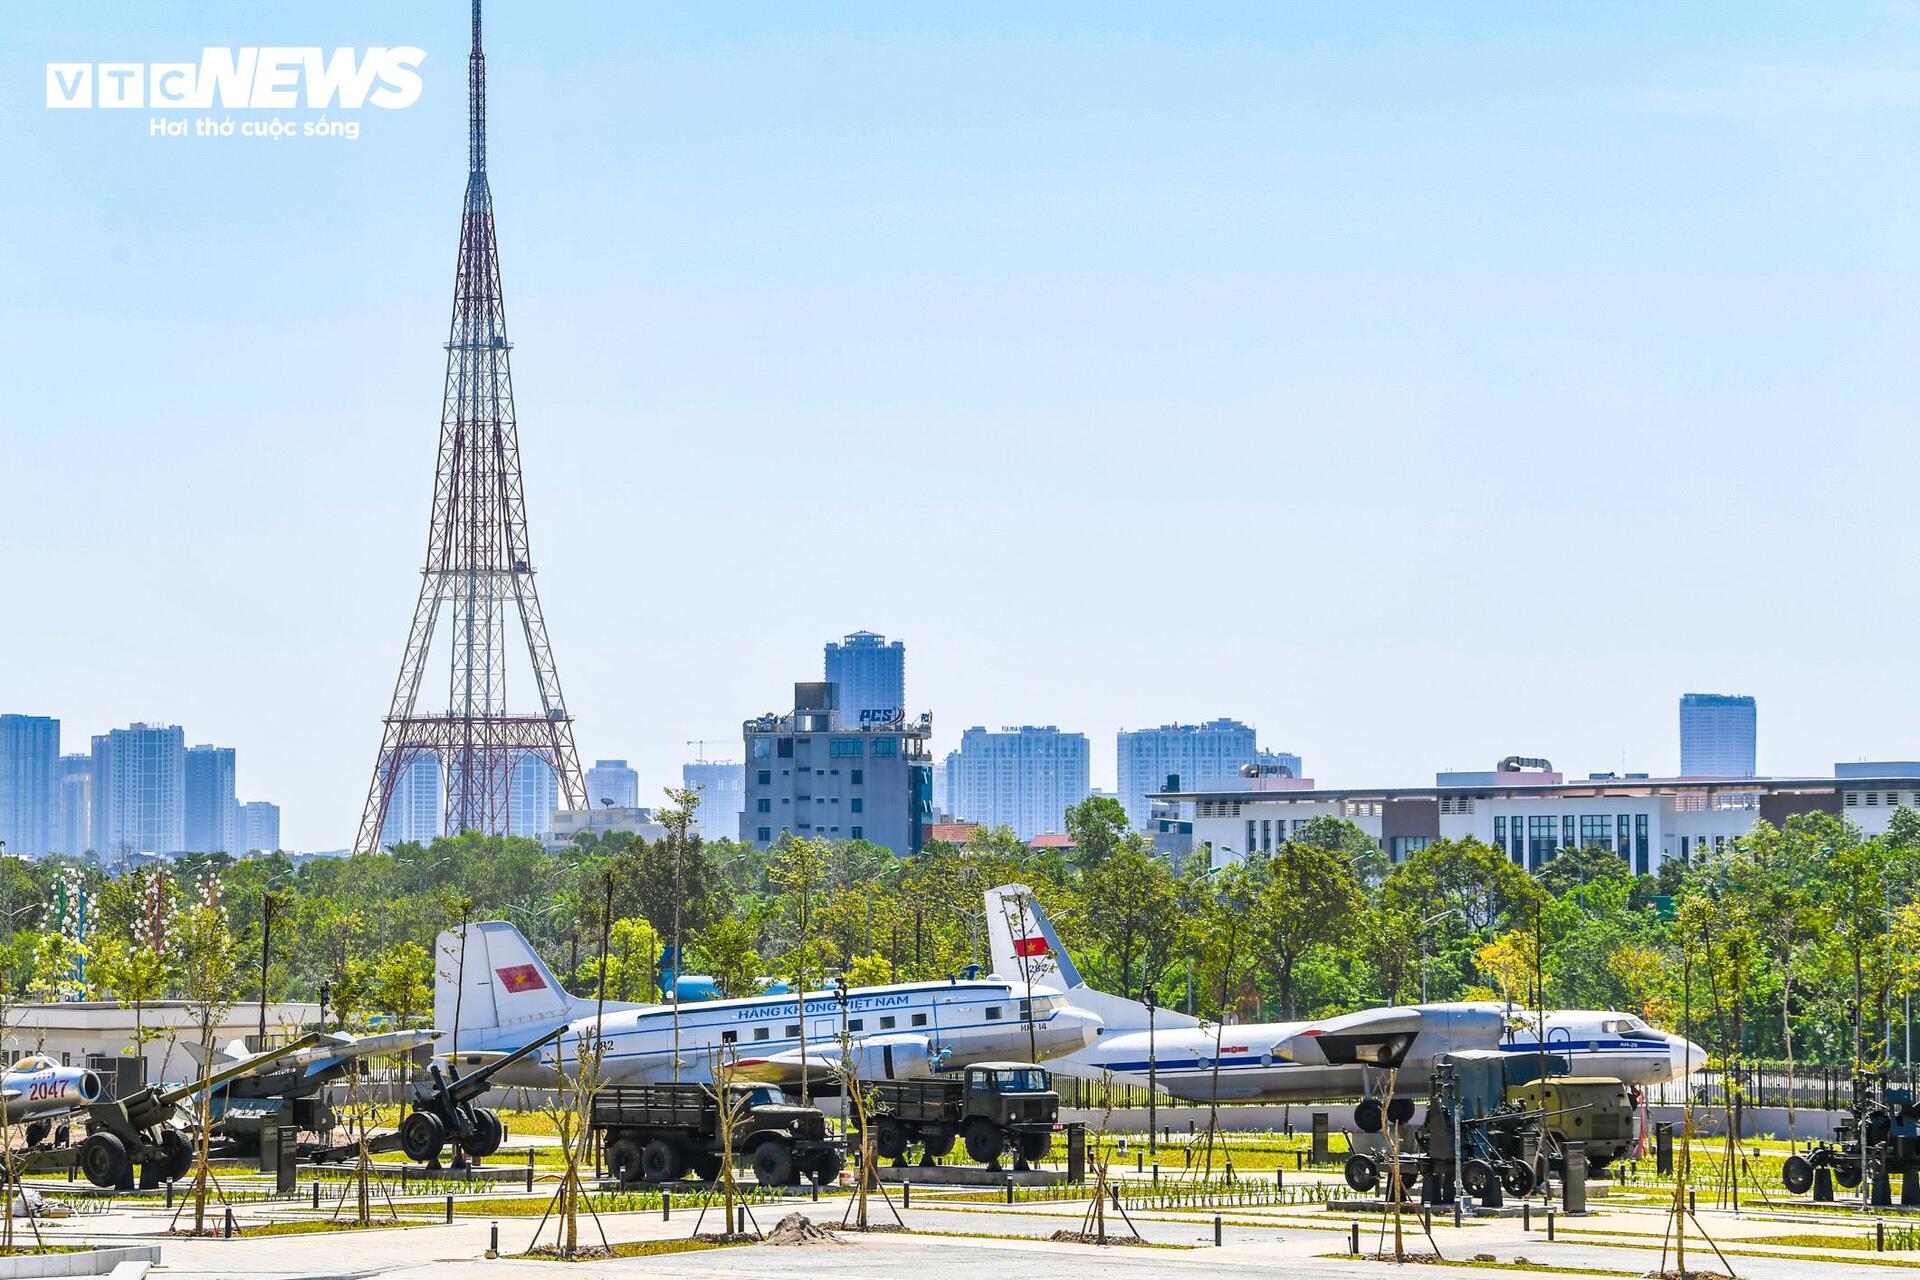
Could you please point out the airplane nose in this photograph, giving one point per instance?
(1077, 1024)
(1686, 1057)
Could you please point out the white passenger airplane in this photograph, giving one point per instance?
(509, 998)
(1328, 1058)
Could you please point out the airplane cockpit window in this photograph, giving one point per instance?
(33, 1062)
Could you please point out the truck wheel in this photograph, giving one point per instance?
(889, 1139)
(985, 1142)
(706, 1166)
(623, 1160)
(103, 1158)
(1366, 1116)
(1797, 1174)
(827, 1167)
(176, 1155)
(773, 1164)
(488, 1133)
(1035, 1146)
(422, 1135)
(1361, 1172)
(936, 1144)
(661, 1161)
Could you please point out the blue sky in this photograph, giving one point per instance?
(1421, 383)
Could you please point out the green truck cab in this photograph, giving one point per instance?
(994, 1107)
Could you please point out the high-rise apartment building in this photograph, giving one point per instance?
(869, 676)
(611, 784)
(1201, 755)
(533, 793)
(140, 791)
(259, 825)
(212, 809)
(722, 785)
(1025, 778)
(74, 833)
(1717, 735)
(29, 783)
(414, 810)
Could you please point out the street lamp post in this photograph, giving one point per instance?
(1153, 1092)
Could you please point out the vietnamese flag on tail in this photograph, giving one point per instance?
(521, 977)
(1027, 947)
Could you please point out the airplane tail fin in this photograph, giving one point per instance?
(496, 989)
(1026, 949)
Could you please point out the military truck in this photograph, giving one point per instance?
(658, 1132)
(1596, 1110)
(993, 1107)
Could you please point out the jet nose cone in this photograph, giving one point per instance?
(1078, 1027)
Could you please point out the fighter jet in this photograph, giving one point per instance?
(36, 1091)
(1329, 1058)
(505, 997)
(291, 1089)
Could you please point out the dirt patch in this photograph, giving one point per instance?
(798, 1229)
(1065, 1236)
(1384, 1256)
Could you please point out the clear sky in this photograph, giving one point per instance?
(1422, 383)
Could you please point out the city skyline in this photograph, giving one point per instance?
(1405, 307)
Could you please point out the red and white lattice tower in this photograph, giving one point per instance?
(479, 566)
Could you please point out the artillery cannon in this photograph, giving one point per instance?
(1888, 1120)
(140, 1129)
(442, 1110)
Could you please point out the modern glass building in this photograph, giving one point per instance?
(869, 676)
(611, 782)
(1717, 735)
(29, 783)
(533, 793)
(722, 785)
(259, 826)
(1025, 778)
(212, 810)
(74, 833)
(140, 791)
(808, 777)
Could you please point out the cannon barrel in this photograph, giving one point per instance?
(473, 1084)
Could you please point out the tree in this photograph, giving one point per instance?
(402, 983)
(632, 951)
(725, 950)
(1098, 828)
(209, 969)
(1130, 900)
(1306, 896)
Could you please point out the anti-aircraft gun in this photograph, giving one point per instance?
(143, 1128)
(442, 1110)
(1889, 1121)
(1471, 1131)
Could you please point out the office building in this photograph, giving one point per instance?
(29, 783)
(604, 820)
(869, 676)
(1199, 755)
(807, 775)
(212, 809)
(1532, 814)
(74, 834)
(259, 827)
(610, 784)
(533, 793)
(944, 775)
(722, 785)
(1717, 735)
(139, 791)
(1025, 778)
(1278, 764)
(415, 808)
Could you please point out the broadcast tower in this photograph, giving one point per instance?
(478, 562)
